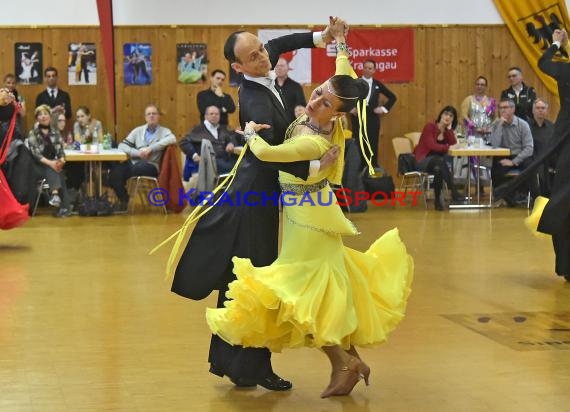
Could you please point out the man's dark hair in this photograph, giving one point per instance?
(229, 53)
(50, 69)
(369, 61)
(218, 71)
(518, 69)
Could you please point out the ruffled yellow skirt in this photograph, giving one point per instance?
(317, 293)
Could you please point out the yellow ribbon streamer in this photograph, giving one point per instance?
(182, 235)
(364, 140)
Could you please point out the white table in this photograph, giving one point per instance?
(95, 161)
(477, 152)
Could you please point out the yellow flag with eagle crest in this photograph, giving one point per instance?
(531, 23)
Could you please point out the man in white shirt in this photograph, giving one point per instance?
(223, 141)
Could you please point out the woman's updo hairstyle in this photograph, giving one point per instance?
(348, 90)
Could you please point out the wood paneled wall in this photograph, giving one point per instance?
(448, 59)
(55, 42)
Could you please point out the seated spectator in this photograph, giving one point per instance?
(10, 84)
(144, 147)
(431, 153)
(59, 123)
(223, 141)
(19, 167)
(46, 146)
(542, 131)
(85, 127)
(74, 171)
(512, 132)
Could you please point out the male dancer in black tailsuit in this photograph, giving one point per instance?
(248, 231)
(555, 219)
(556, 216)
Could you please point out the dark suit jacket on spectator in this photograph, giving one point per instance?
(293, 95)
(207, 98)
(523, 102)
(62, 98)
(192, 140)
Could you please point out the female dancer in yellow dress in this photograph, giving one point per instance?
(318, 292)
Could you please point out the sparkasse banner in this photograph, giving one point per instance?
(391, 49)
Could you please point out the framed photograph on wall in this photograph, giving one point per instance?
(81, 64)
(192, 61)
(28, 63)
(137, 64)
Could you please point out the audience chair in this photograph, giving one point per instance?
(414, 180)
(516, 172)
(141, 186)
(414, 138)
(43, 188)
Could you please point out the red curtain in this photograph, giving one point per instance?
(105, 10)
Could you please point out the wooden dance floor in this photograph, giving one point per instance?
(87, 323)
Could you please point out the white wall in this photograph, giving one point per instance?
(231, 12)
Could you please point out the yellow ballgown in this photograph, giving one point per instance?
(318, 292)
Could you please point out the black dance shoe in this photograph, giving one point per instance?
(239, 382)
(271, 382)
(216, 370)
(274, 382)
(244, 382)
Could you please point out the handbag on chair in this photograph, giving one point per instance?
(12, 213)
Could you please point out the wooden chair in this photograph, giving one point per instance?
(414, 138)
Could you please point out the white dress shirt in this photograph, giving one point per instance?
(269, 82)
(212, 128)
